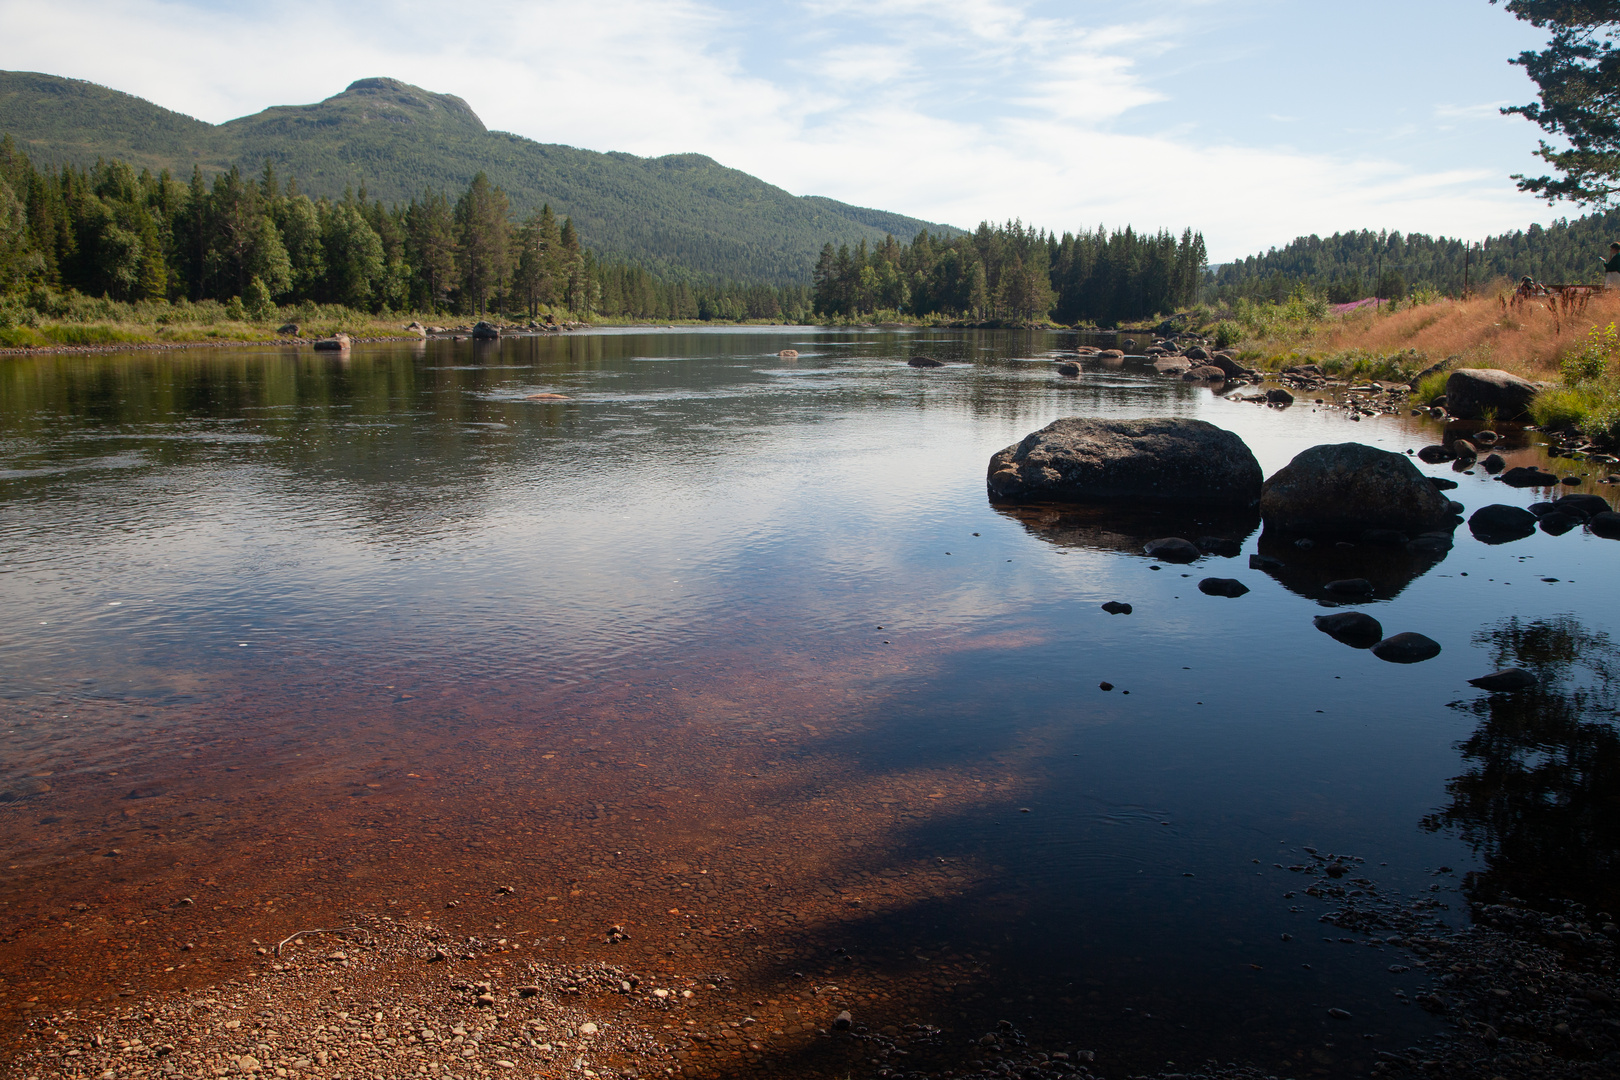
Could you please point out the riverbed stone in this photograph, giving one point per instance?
(1494, 463)
(1203, 373)
(1524, 476)
(1606, 525)
(1069, 368)
(1558, 523)
(1473, 393)
(1348, 488)
(1587, 505)
(1436, 454)
(1407, 648)
(1172, 365)
(1499, 523)
(1278, 396)
(1218, 545)
(1353, 628)
(1222, 586)
(1116, 607)
(1506, 680)
(924, 362)
(1172, 549)
(1078, 459)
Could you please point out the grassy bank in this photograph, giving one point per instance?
(44, 319)
(1563, 345)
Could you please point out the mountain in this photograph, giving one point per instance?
(681, 212)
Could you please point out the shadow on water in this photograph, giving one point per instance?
(1540, 799)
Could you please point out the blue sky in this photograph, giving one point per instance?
(1253, 120)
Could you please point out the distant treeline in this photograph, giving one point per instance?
(108, 231)
(1352, 266)
(1013, 272)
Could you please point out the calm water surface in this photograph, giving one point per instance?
(757, 617)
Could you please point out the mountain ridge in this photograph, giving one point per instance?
(681, 212)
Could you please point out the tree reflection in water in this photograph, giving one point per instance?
(1540, 800)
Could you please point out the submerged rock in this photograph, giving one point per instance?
(1494, 463)
(1353, 628)
(485, 331)
(1472, 393)
(1587, 505)
(1500, 523)
(1507, 679)
(1436, 454)
(1215, 545)
(1350, 487)
(1222, 586)
(1557, 523)
(1528, 476)
(1407, 648)
(1173, 549)
(1606, 525)
(1115, 607)
(1069, 368)
(1084, 460)
(1350, 587)
(924, 362)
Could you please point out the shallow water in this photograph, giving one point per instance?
(744, 631)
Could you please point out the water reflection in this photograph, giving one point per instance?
(1114, 527)
(1388, 562)
(1540, 799)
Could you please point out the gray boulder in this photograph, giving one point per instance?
(1348, 488)
(924, 362)
(1278, 396)
(1164, 459)
(1203, 373)
(485, 331)
(1472, 393)
(1172, 365)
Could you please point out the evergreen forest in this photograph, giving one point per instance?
(108, 231)
(1351, 266)
(1011, 272)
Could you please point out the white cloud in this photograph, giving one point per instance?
(951, 110)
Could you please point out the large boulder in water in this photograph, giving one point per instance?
(1080, 460)
(1349, 488)
(1473, 393)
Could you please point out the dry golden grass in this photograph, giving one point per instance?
(1486, 331)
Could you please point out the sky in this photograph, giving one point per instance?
(1253, 121)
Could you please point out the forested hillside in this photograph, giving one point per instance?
(1352, 266)
(680, 215)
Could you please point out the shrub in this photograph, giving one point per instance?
(1590, 361)
(1431, 387)
(1227, 334)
